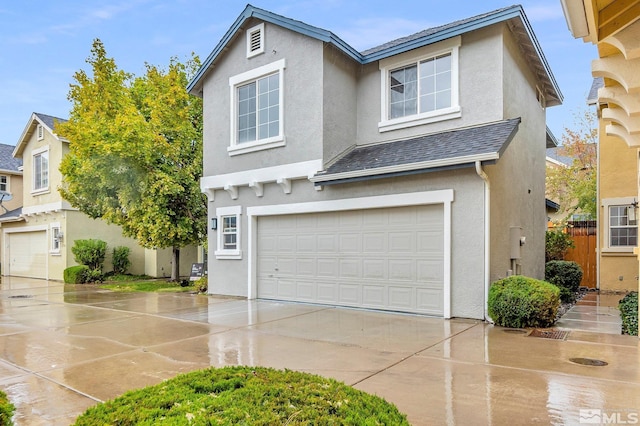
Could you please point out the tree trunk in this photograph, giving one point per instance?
(175, 264)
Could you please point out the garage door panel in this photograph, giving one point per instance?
(387, 258)
(27, 254)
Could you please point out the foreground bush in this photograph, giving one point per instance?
(519, 301)
(90, 253)
(76, 274)
(201, 284)
(629, 313)
(566, 275)
(6, 410)
(557, 243)
(248, 396)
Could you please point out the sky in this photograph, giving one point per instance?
(43, 43)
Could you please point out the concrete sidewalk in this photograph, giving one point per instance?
(64, 348)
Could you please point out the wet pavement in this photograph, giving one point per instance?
(65, 348)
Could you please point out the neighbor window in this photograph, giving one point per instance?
(620, 224)
(4, 183)
(56, 237)
(421, 86)
(256, 109)
(623, 226)
(41, 170)
(228, 233)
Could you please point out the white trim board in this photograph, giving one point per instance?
(444, 197)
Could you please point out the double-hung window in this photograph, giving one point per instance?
(420, 88)
(41, 169)
(56, 238)
(257, 109)
(621, 224)
(4, 183)
(228, 233)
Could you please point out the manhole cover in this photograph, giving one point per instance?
(515, 331)
(550, 334)
(21, 296)
(589, 361)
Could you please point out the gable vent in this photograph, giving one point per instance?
(40, 130)
(255, 40)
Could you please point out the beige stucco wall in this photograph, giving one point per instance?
(618, 172)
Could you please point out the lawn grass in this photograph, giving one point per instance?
(149, 286)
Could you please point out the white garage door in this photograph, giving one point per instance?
(388, 258)
(27, 254)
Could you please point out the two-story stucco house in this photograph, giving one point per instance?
(407, 177)
(37, 238)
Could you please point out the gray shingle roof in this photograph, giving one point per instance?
(11, 214)
(7, 161)
(455, 147)
(430, 31)
(49, 120)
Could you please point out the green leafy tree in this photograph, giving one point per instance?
(135, 152)
(575, 186)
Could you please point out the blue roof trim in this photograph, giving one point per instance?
(447, 31)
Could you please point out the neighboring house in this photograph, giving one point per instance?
(37, 241)
(10, 180)
(407, 177)
(614, 27)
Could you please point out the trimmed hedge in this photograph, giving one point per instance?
(567, 275)
(248, 396)
(76, 274)
(519, 301)
(629, 313)
(6, 410)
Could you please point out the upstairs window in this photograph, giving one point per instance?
(4, 183)
(255, 40)
(256, 109)
(41, 170)
(420, 87)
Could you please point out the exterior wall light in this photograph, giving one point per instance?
(214, 223)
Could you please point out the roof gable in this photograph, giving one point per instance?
(519, 24)
(48, 121)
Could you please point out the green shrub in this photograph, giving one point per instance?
(121, 260)
(556, 245)
(519, 301)
(245, 395)
(566, 275)
(629, 313)
(89, 252)
(201, 284)
(76, 274)
(6, 410)
(94, 276)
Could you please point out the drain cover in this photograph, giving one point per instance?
(550, 334)
(21, 296)
(589, 361)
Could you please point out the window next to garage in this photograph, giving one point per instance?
(256, 109)
(228, 233)
(56, 238)
(40, 170)
(421, 87)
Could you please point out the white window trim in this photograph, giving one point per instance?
(52, 228)
(451, 46)
(258, 28)
(606, 203)
(7, 184)
(33, 177)
(221, 253)
(236, 148)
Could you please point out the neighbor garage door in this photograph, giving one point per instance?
(388, 258)
(27, 254)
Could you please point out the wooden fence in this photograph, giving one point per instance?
(583, 234)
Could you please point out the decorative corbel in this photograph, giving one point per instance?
(211, 194)
(232, 190)
(285, 184)
(257, 187)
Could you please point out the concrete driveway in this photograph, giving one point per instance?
(64, 348)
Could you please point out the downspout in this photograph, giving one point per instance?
(487, 235)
